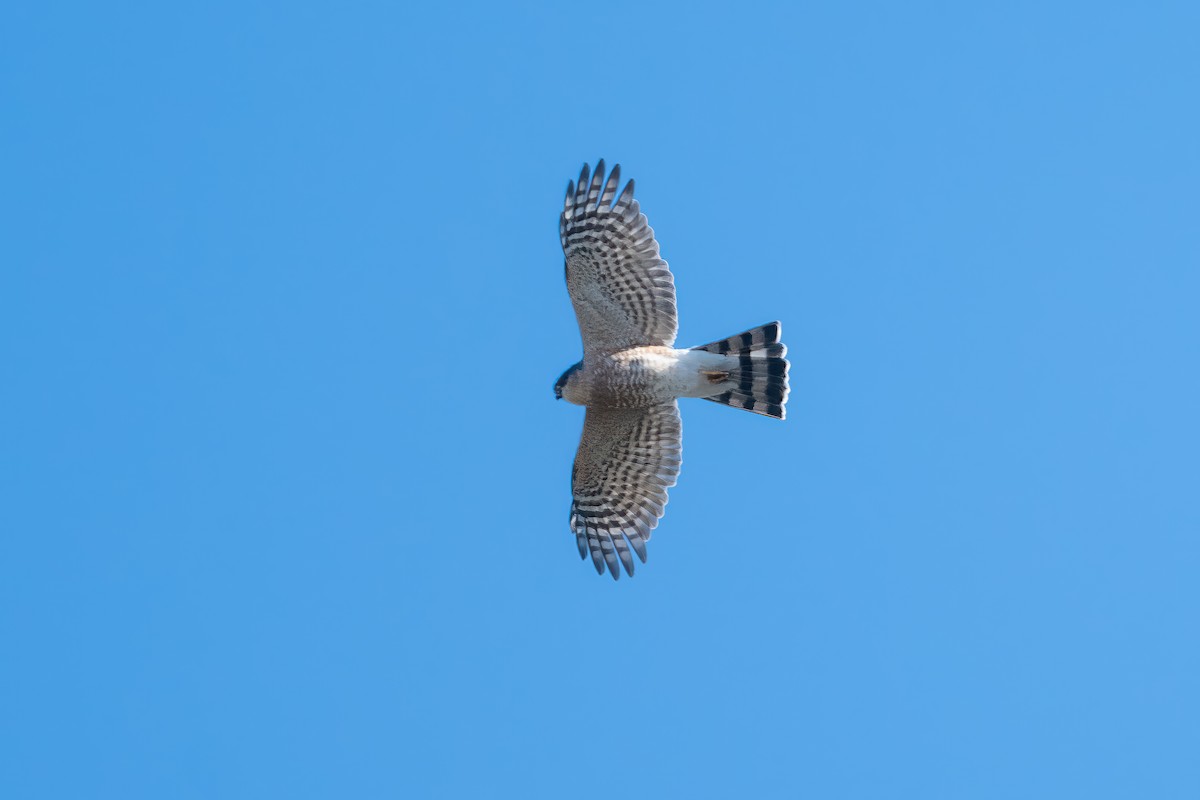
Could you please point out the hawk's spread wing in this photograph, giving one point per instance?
(627, 459)
(623, 293)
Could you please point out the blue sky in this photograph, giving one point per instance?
(285, 487)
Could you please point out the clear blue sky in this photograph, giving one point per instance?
(285, 486)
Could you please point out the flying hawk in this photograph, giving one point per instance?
(631, 375)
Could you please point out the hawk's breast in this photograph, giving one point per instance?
(639, 376)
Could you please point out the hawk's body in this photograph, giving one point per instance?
(631, 376)
(644, 376)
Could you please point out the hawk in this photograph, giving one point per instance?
(631, 376)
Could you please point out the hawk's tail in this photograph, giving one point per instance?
(761, 373)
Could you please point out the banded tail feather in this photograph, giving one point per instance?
(760, 377)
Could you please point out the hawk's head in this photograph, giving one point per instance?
(563, 379)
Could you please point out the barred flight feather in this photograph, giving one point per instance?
(627, 460)
(622, 290)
